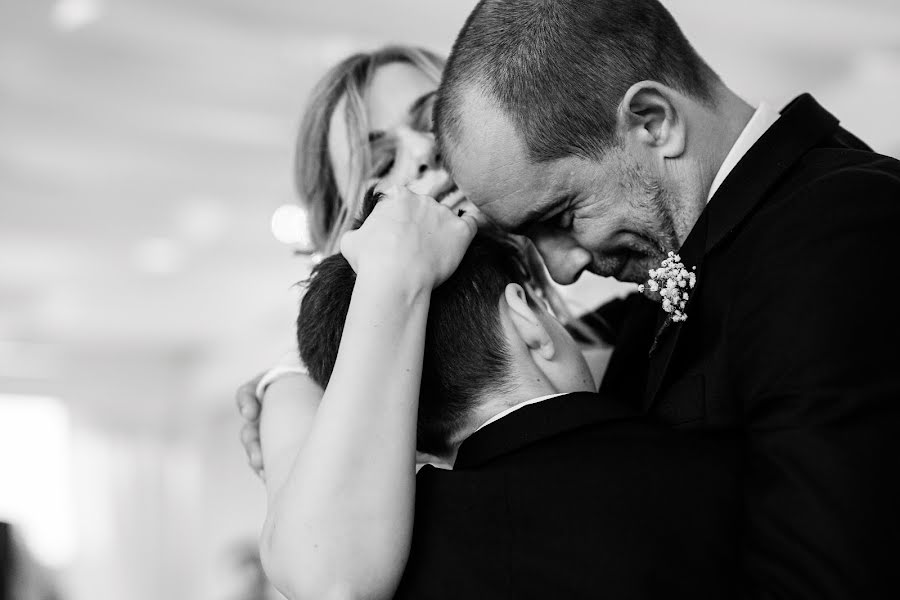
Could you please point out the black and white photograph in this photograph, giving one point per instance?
(449, 300)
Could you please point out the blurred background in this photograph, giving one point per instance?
(145, 167)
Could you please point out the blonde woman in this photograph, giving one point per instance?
(368, 119)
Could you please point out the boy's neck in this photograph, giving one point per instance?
(495, 403)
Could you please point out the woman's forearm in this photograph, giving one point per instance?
(289, 408)
(341, 522)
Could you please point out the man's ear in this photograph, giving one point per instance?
(648, 114)
(527, 323)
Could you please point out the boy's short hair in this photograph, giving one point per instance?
(466, 354)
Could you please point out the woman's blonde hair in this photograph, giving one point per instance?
(330, 213)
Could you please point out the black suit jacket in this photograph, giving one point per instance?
(792, 344)
(576, 497)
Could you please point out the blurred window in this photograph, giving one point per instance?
(35, 475)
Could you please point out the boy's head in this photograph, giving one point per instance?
(489, 344)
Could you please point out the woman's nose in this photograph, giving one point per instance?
(421, 152)
(428, 159)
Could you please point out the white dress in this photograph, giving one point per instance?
(288, 365)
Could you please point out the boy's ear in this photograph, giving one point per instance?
(527, 323)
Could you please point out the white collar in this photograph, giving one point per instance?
(764, 117)
(513, 409)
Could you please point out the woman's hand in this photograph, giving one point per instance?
(249, 408)
(409, 239)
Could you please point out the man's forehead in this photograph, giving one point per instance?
(491, 166)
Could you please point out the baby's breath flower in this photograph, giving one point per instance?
(672, 282)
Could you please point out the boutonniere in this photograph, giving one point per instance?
(671, 283)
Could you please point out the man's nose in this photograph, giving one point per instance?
(564, 257)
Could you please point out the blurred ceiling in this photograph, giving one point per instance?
(143, 148)
(144, 144)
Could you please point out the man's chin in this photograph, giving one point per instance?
(632, 271)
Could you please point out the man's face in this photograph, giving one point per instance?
(612, 217)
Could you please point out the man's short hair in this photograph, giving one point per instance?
(559, 68)
(466, 354)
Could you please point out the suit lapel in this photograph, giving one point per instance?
(802, 125)
(668, 332)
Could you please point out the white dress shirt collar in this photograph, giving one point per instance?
(764, 117)
(513, 409)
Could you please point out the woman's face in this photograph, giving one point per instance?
(399, 103)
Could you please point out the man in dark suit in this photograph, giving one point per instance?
(595, 128)
(554, 490)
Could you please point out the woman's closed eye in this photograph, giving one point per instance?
(384, 154)
(423, 122)
(422, 116)
(382, 166)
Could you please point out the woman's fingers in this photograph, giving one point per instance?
(348, 247)
(249, 434)
(249, 408)
(474, 222)
(247, 402)
(410, 238)
(468, 211)
(250, 441)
